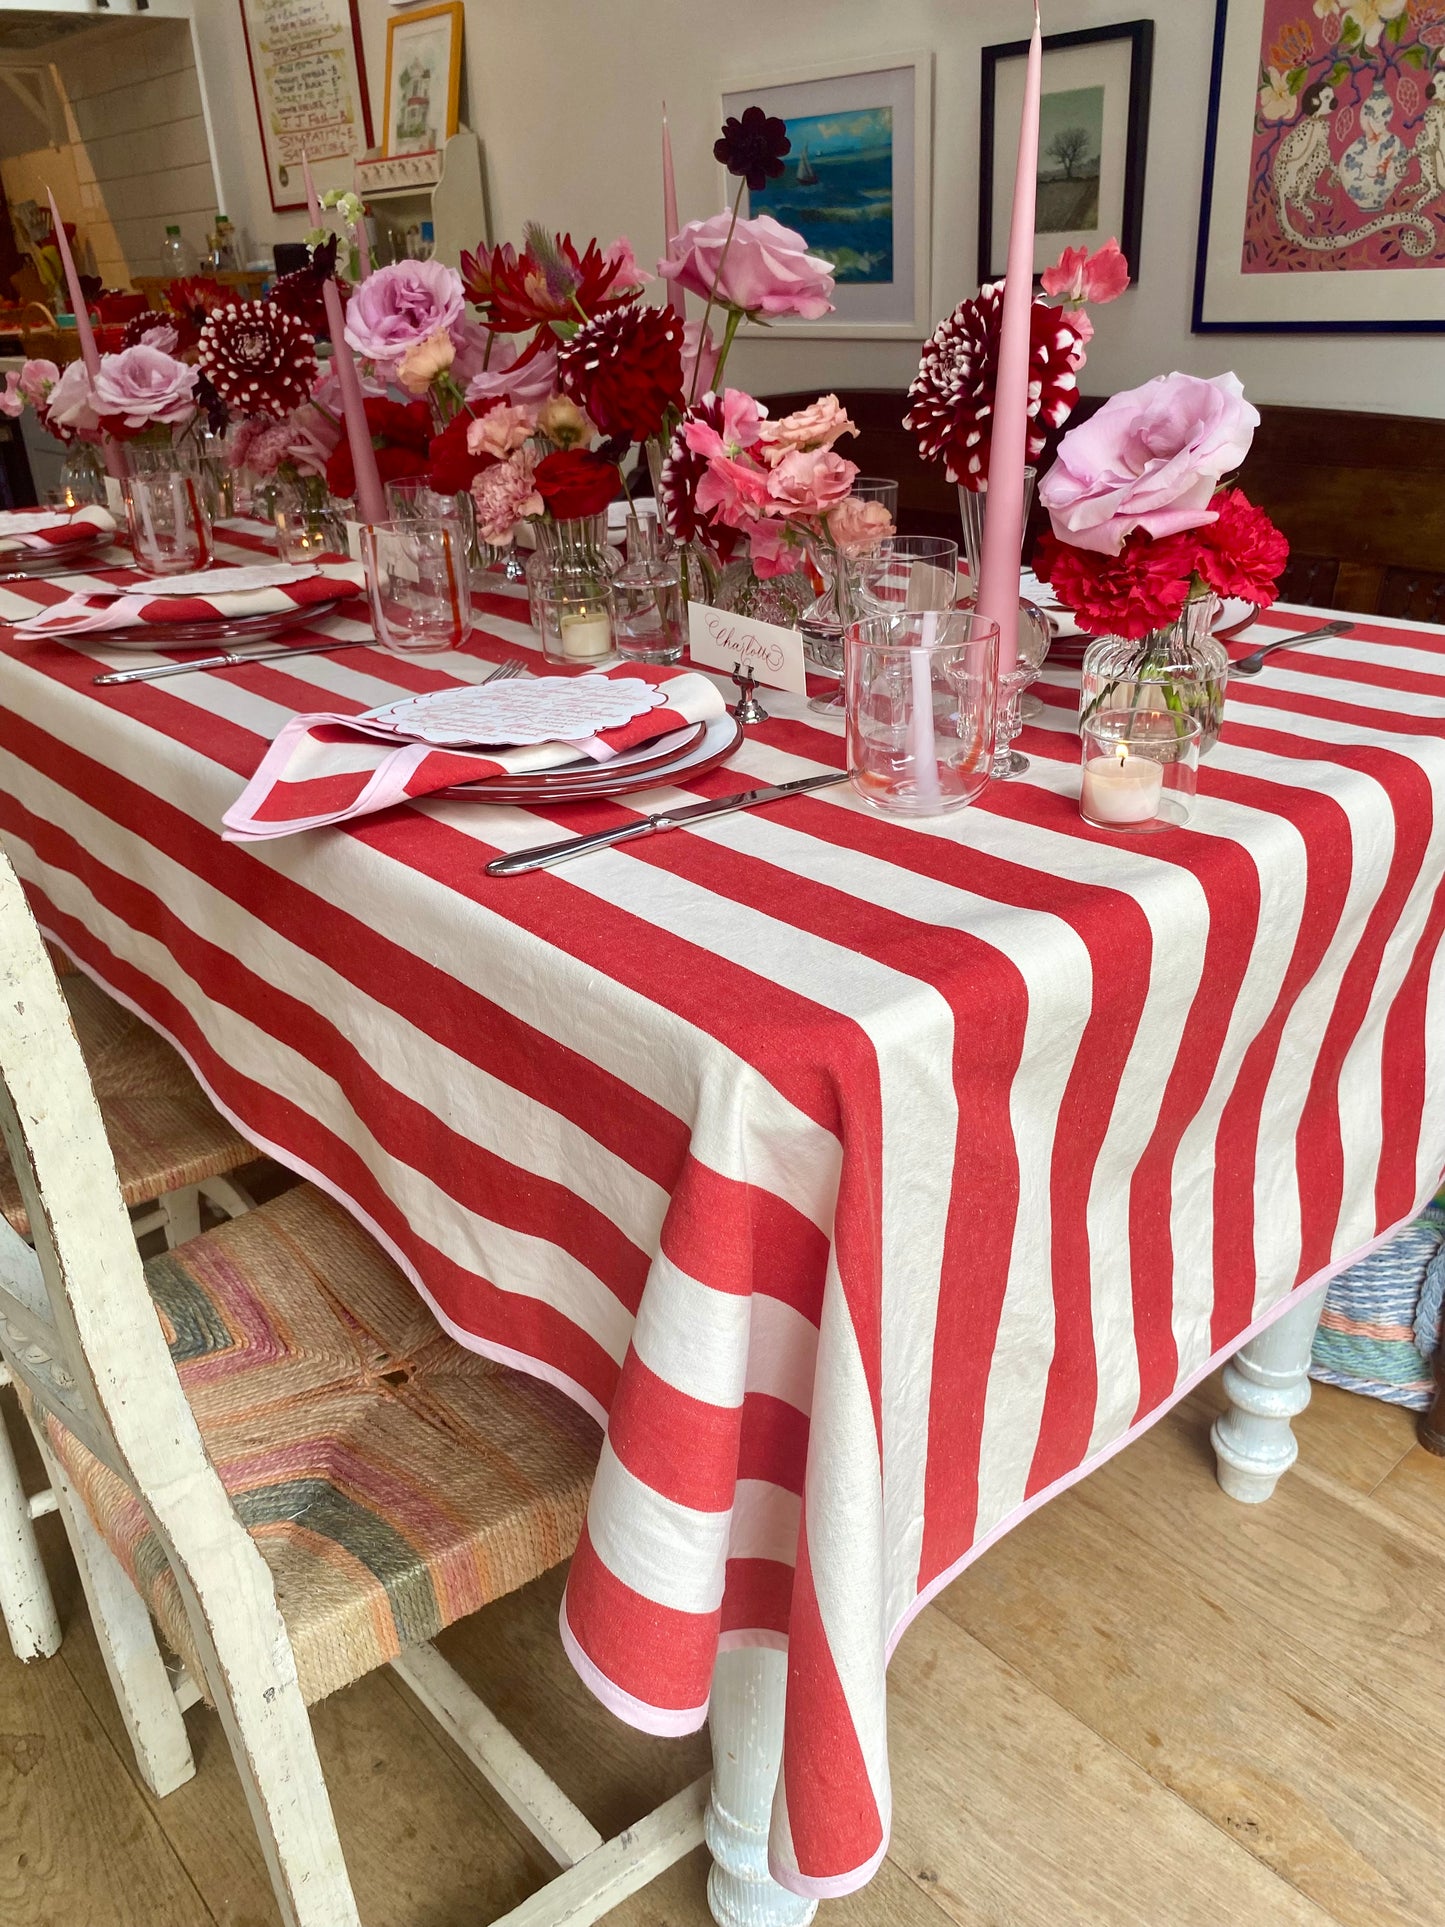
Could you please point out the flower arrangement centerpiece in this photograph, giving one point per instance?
(1148, 535)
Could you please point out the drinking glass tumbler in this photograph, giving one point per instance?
(165, 513)
(905, 573)
(920, 694)
(416, 578)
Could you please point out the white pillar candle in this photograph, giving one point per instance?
(586, 636)
(1121, 788)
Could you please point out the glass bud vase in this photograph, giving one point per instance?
(570, 580)
(647, 592)
(309, 520)
(1183, 667)
(1034, 633)
(82, 477)
(782, 599)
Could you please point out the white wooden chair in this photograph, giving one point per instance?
(288, 1310)
(171, 1149)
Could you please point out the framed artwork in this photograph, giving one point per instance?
(423, 77)
(1323, 208)
(856, 186)
(1093, 143)
(308, 81)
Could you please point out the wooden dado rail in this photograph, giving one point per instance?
(1361, 497)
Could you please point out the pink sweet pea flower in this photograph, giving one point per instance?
(699, 353)
(735, 491)
(12, 402)
(626, 272)
(527, 377)
(742, 419)
(37, 378)
(770, 551)
(1079, 276)
(1150, 459)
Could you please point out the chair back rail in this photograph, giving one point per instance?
(1361, 497)
(79, 1330)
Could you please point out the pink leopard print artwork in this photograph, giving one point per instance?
(1348, 168)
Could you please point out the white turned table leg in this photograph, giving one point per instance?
(746, 1719)
(1268, 1385)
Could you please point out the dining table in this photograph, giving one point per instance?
(870, 1179)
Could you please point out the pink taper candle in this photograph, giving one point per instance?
(89, 353)
(369, 498)
(676, 300)
(1003, 528)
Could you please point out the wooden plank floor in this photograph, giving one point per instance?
(1148, 1707)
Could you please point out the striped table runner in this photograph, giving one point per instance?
(872, 1179)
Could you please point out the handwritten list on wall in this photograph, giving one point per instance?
(310, 87)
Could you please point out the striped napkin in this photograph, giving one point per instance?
(331, 769)
(41, 530)
(82, 615)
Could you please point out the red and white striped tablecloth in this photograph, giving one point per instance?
(870, 1178)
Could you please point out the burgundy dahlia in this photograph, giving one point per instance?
(683, 469)
(299, 293)
(753, 147)
(625, 370)
(259, 359)
(952, 395)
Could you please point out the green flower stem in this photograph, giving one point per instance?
(735, 319)
(712, 293)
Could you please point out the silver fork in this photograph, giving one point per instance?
(1252, 664)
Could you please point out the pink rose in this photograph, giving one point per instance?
(143, 385)
(399, 306)
(12, 402)
(527, 378)
(501, 431)
(423, 361)
(817, 426)
(1150, 459)
(505, 495)
(1078, 275)
(766, 268)
(69, 403)
(37, 378)
(808, 481)
(162, 336)
(857, 526)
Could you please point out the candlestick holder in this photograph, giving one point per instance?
(747, 708)
(1140, 769)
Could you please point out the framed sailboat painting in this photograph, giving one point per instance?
(855, 184)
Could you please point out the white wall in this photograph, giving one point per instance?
(567, 97)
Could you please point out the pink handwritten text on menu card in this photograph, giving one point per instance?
(1347, 170)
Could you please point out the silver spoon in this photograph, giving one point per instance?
(1251, 665)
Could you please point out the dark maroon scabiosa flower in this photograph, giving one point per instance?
(259, 359)
(952, 395)
(625, 370)
(752, 147)
(683, 469)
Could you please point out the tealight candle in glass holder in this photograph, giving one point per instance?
(577, 620)
(1140, 768)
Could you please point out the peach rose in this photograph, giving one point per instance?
(817, 426)
(423, 361)
(501, 431)
(857, 526)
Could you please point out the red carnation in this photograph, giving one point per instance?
(625, 370)
(401, 436)
(575, 482)
(1242, 553)
(952, 395)
(1142, 588)
(453, 465)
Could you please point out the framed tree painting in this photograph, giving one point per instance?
(1093, 143)
(856, 186)
(309, 85)
(1323, 208)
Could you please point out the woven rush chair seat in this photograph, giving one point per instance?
(163, 1129)
(393, 1481)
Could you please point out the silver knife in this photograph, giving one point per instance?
(232, 659)
(544, 855)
